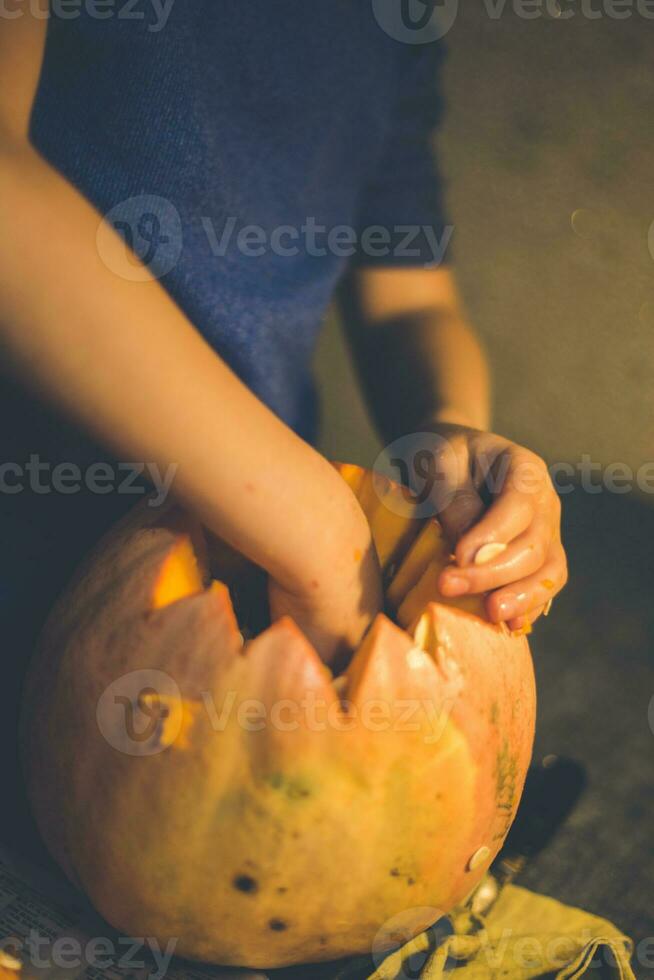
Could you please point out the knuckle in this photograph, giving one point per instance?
(560, 562)
(556, 503)
(539, 549)
(528, 456)
(526, 600)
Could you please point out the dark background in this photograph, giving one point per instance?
(546, 120)
(550, 119)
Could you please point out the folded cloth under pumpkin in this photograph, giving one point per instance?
(524, 937)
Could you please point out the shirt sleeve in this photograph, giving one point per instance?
(401, 219)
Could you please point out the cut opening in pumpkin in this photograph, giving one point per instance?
(179, 577)
(412, 551)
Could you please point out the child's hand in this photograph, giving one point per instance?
(490, 490)
(336, 607)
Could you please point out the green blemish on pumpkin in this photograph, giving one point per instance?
(494, 713)
(292, 788)
(506, 771)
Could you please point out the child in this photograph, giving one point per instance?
(275, 120)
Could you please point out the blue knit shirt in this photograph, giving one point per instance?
(248, 152)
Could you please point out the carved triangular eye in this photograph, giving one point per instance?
(179, 577)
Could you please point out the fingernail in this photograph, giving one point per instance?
(454, 585)
(489, 552)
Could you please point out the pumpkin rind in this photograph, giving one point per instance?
(233, 796)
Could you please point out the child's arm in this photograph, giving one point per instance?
(423, 371)
(122, 359)
(417, 356)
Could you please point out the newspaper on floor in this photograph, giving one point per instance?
(47, 928)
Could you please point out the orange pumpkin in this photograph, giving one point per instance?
(236, 795)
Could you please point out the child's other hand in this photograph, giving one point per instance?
(335, 607)
(492, 491)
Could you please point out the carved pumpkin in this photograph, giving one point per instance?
(237, 796)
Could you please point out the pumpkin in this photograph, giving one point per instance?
(200, 774)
